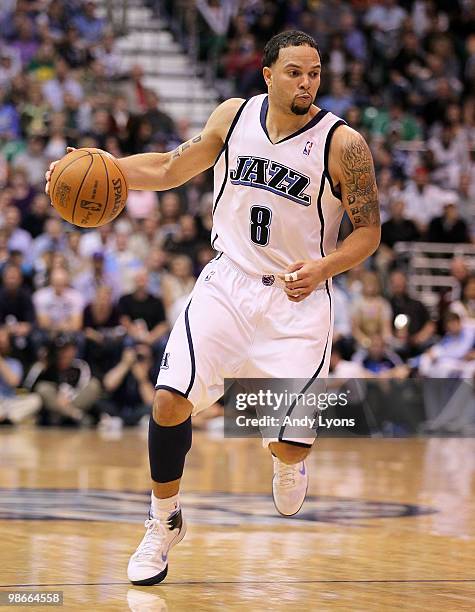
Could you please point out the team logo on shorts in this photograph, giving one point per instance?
(268, 280)
(308, 147)
(165, 365)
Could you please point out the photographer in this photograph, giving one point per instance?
(14, 407)
(64, 382)
(130, 386)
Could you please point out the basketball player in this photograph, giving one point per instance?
(285, 171)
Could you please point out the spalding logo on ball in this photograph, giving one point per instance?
(88, 188)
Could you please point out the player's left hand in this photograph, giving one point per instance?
(307, 274)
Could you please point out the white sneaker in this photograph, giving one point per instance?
(289, 486)
(149, 563)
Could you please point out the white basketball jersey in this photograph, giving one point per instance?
(275, 203)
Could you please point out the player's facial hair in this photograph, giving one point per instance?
(300, 110)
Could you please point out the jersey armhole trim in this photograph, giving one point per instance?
(225, 179)
(326, 155)
(230, 131)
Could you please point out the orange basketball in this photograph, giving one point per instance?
(88, 188)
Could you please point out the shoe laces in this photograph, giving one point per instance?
(286, 474)
(153, 540)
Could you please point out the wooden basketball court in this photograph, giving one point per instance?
(388, 524)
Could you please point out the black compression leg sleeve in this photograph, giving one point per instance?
(167, 448)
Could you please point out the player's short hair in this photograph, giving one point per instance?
(289, 38)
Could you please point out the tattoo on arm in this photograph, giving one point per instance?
(179, 150)
(360, 183)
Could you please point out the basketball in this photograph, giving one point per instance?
(88, 188)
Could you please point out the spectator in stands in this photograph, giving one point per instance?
(18, 239)
(33, 161)
(342, 323)
(63, 82)
(217, 14)
(424, 200)
(102, 330)
(161, 123)
(74, 49)
(142, 314)
(460, 272)
(13, 408)
(89, 26)
(130, 386)
(35, 219)
(56, 19)
(23, 193)
(134, 91)
(449, 157)
(52, 239)
(58, 307)
(371, 313)
(242, 63)
(95, 277)
(17, 313)
(75, 263)
(10, 66)
(185, 241)
(41, 67)
(4, 252)
(145, 236)
(466, 192)
(64, 382)
(121, 262)
(413, 328)
(449, 227)
(57, 141)
(393, 120)
(25, 41)
(386, 19)
(17, 258)
(35, 112)
(465, 307)
(108, 54)
(339, 100)
(177, 285)
(101, 240)
(445, 359)
(398, 228)
(142, 204)
(9, 118)
(204, 254)
(410, 60)
(156, 261)
(170, 210)
(121, 117)
(342, 368)
(379, 359)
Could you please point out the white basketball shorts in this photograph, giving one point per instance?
(240, 326)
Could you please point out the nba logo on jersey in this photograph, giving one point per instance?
(308, 147)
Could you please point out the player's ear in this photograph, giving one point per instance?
(267, 74)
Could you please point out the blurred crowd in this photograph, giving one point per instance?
(85, 315)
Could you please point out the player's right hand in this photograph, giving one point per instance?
(51, 168)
